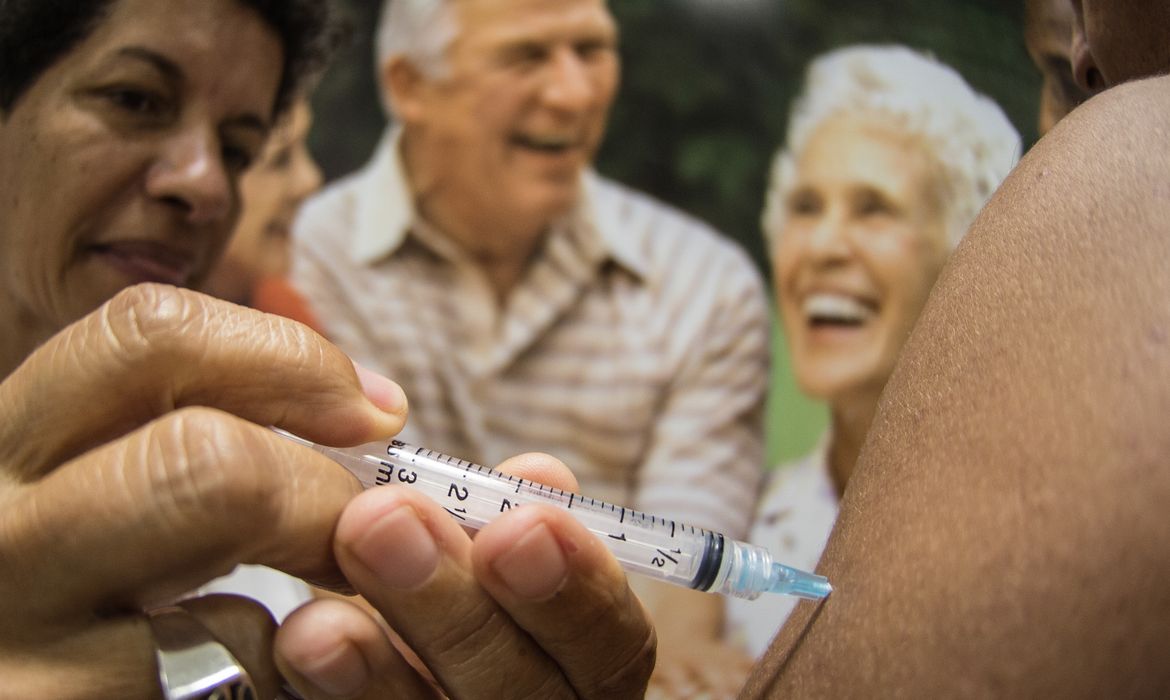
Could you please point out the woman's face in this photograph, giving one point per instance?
(120, 163)
(271, 192)
(862, 243)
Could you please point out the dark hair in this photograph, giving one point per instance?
(35, 34)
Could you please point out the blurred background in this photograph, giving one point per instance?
(706, 88)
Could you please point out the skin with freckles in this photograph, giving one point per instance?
(120, 164)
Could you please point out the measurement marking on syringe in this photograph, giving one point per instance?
(623, 518)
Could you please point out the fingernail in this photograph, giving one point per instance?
(399, 549)
(382, 392)
(340, 672)
(535, 566)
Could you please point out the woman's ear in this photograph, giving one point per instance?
(1084, 67)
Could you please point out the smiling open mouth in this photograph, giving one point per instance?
(550, 144)
(826, 310)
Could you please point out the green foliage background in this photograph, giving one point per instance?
(705, 92)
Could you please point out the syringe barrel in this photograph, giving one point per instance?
(642, 543)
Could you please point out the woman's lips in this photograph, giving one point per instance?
(838, 308)
(144, 261)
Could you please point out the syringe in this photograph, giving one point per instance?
(644, 544)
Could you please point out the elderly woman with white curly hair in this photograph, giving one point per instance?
(889, 158)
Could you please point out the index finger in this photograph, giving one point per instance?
(166, 509)
(153, 349)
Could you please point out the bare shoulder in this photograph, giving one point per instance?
(1109, 157)
(1005, 532)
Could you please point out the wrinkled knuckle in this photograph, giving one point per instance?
(551, 687)
(461, 647)
(19, 532)
(581, 619)
(621, 667)
(631, 674)
(481, 627)
(148, 320)
(625, 670)
(203, 470)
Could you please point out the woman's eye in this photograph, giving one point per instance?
(280, 160)
(139, 102)
(803, 204)
(872, 204)
(237, 158)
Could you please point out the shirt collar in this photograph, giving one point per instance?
(602, 212)
(385, 211)
(385, 208)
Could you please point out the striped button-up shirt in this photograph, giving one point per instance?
(634, 348)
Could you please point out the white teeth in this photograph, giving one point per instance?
(836, 307)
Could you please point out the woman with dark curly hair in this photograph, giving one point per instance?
(92, 107)
(134, 462)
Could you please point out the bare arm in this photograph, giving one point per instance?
(1005, 533)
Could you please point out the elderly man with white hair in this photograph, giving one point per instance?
(526, 303)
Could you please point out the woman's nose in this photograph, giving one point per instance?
(827, 236)
(190, 174)
(307, 177)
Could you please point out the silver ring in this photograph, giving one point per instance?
(193, 664)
